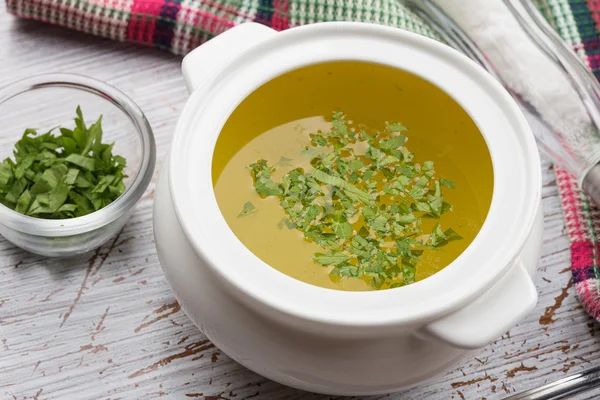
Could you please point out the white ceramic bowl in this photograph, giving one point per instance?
(329, 341)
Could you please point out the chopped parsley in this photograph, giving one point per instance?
(362, 201)
(248, 209)
(62, 176)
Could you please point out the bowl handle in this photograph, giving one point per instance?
(490, 316)
(497, 310)
(205, 59)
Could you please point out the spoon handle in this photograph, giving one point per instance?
(562, 388)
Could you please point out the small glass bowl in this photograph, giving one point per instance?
(48, 101)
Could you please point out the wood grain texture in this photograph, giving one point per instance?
(106, 326)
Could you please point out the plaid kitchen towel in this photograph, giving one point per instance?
(181, 25)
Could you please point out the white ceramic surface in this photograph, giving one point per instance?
(332, 341)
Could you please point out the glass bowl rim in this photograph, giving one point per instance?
(124, 203)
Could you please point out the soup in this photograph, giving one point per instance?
(352, 176)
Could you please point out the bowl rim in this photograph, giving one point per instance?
(510, 220)
(127, 200)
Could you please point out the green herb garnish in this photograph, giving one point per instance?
(248, 209)
(363, 202)
(64, 176)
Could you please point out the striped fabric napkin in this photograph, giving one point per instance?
(179, 26)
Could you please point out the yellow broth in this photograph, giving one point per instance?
(275, 121)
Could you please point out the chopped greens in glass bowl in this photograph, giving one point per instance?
(76, 155)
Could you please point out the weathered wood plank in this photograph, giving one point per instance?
(106, 326)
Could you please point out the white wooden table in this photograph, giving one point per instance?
(106, 326)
